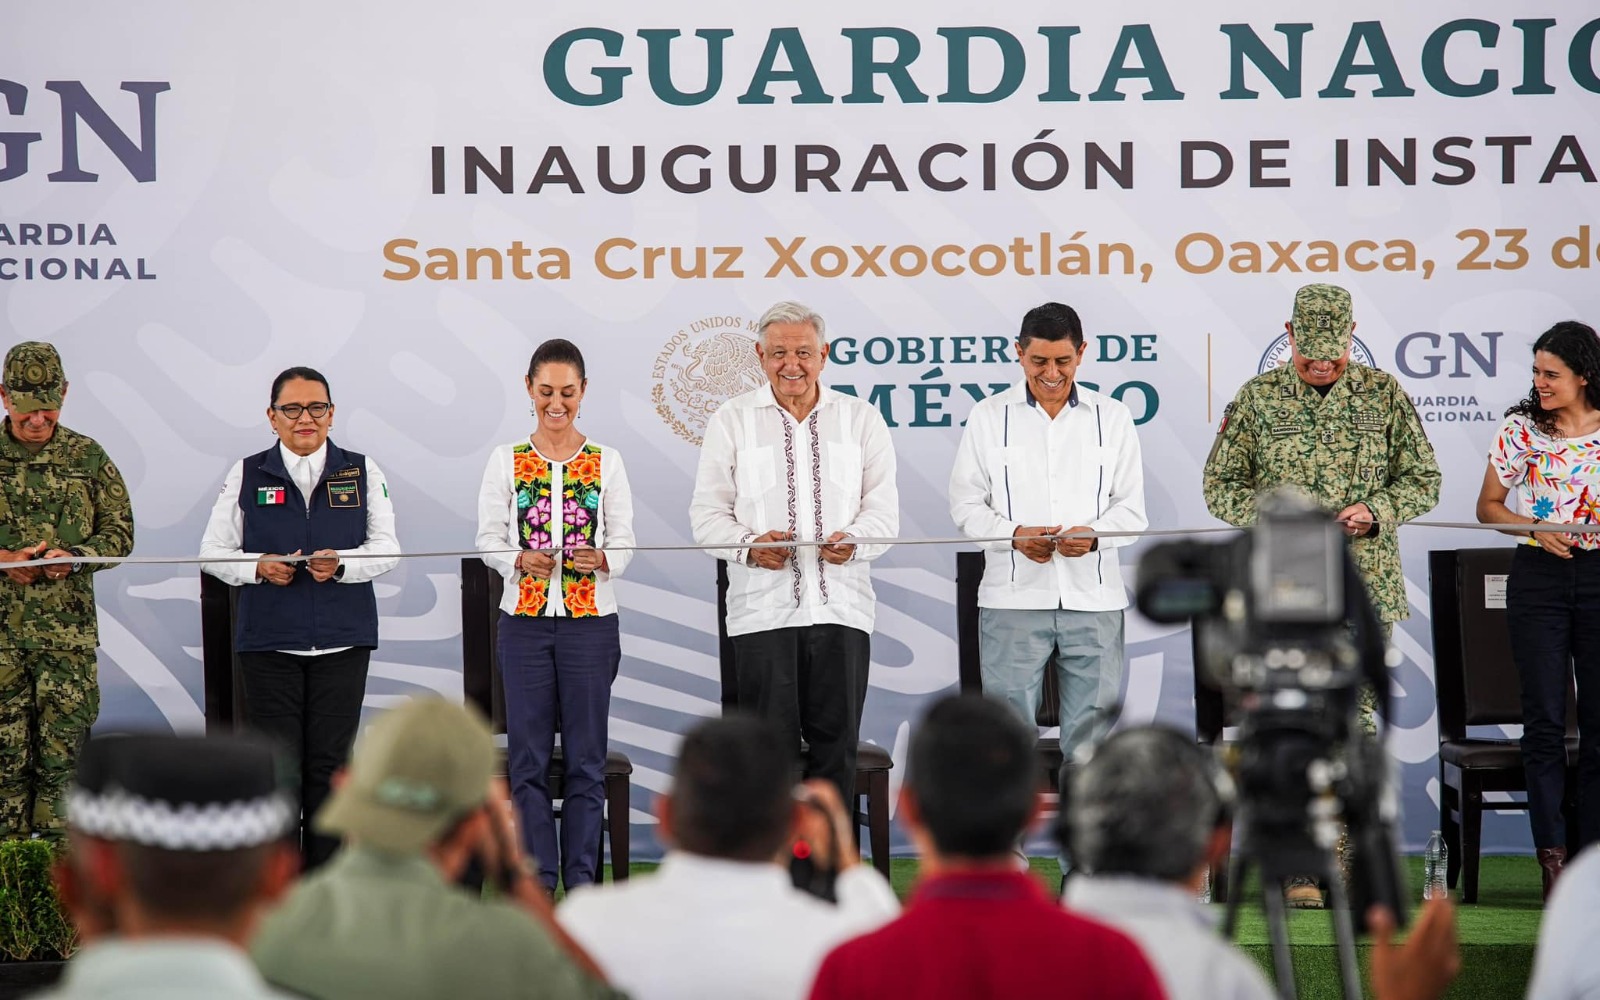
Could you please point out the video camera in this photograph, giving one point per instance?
(1284, 627)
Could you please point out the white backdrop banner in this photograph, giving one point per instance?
(410, 196)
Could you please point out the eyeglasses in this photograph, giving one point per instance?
(292, 411)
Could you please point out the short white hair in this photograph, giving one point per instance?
(791, 312)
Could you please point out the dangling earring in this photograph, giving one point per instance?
(533, 409)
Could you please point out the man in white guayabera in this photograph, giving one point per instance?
(793, 461)
(1048, 456)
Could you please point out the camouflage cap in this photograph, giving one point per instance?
(1322, 322)
(34, 379)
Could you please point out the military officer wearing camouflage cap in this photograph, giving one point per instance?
(1345, 433)
(60, 495)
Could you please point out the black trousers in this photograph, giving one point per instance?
(311, 705)
(811, 682)
(1553, 610)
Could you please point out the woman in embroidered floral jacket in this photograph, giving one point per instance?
(1547, 454)
(559, 501)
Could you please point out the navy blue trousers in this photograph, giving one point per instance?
(557, 675)
(1553, 609)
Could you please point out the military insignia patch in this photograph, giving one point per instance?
(343, 493)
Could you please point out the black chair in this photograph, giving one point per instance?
(969, 574)
(219, 608)
(1475, 682)
(873, 763)
(481, 588)
(1212, 714)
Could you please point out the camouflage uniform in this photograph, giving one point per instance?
(1362, 443)
(69, 495)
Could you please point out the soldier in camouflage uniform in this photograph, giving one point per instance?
(1345, 433)
(59, 496)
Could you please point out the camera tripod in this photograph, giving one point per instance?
(1279, 853)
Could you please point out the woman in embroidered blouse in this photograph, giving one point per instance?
(560, 499)
(1548, 453)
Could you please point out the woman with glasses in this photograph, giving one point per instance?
(551, 510)
(296, 518)
(1546, 458)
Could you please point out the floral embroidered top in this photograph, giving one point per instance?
(1553, 479)
(529, 501)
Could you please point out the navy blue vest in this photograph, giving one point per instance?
(305, 614)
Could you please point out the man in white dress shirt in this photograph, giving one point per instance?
(721, 918)
(1145, 817)
(796, 461)
(305, 630)
(1044, 457)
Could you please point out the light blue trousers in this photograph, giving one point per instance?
(1014, 648)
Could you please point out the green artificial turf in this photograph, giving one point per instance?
(1497, 933)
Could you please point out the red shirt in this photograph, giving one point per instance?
(975, 936)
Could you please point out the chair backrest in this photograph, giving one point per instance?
(1475, 678)
(481, 589)
(219, 609)
(969, 574)
(1211, 709)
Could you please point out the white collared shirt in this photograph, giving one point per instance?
(704, 927)
(225, 530)
(498, 529)
(1018, 467)
(762, 470)
(1563, 967)
(305, 470)
(1177, 934)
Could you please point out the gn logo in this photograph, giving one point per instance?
(79, 110)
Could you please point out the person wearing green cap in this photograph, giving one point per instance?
(417, 805)
(61, 496)
(1345, 433)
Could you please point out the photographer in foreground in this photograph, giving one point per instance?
(720, 918)
(1146, 816)
(417, 806)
